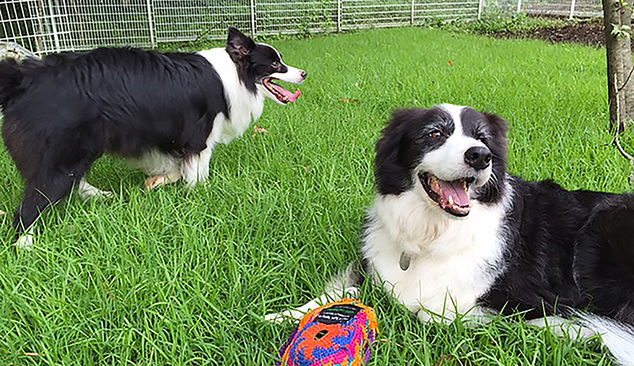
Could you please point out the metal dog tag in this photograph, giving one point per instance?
(404, 261)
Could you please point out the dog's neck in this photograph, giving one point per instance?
(418, 227)
(409, 221)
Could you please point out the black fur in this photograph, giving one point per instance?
(546, 251)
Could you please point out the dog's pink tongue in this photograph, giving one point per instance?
(290, 96)
(456, 190)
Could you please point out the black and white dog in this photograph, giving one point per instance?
(451, 232)
(164, 111)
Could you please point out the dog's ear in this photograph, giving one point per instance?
(401, 117)
(494, 189)
(239, 45)
(392, 168)
(388, 145)
(497, 125)
(498, 128)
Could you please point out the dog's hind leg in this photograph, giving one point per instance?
(162, 168)
(87, 191)
(38, 197)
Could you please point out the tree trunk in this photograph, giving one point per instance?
(619, 57)
(626, 54)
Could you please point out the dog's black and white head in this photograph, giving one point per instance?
(259, 65)
(450, 155)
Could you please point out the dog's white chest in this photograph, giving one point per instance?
(244, 106)
(448, 262)
(442, 286)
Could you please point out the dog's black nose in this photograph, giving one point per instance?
(303, 74)
(478, 157)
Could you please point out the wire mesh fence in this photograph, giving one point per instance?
(563, 8)
(45, 26)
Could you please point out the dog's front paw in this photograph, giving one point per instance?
(285, 316)
(154, 182)
(103, 195)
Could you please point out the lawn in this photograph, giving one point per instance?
(175, 277)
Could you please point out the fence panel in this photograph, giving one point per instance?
(45, 26)
(564, 8)
(445, 9)
(90, 23)
(304, 16)
(373, 13)
(29, 23)
(188, 20)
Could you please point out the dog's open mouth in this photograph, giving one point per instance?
(280, 93)
(453, 197)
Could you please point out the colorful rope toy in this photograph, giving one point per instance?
(340, 333)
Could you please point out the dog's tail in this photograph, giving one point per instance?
(617, 336)
(10, 80)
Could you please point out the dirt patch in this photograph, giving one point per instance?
(589, 33)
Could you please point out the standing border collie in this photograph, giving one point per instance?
(451, 232)
(164, 111)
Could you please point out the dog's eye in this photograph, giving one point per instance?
(276, 65)
(435, 134)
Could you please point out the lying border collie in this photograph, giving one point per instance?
(451, 232)
(164, 111)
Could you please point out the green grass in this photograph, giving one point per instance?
(175, 277)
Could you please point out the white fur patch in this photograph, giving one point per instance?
(244, 106)
(452, 260)
(196, 169)
(618, 337)
(154, 162)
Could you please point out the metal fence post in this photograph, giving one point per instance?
(572, 8)
(40, 31)
(58, 48)
(253, 18)
(150, 20)
(413, 3)
(519, 5)
(339, 15)
(480, 8)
